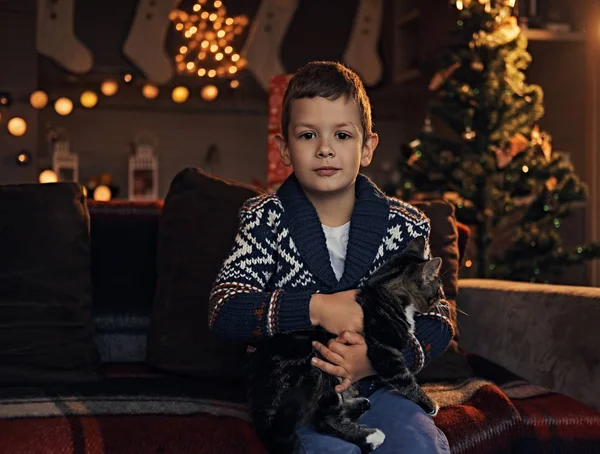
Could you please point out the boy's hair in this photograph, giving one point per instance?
(330, 80)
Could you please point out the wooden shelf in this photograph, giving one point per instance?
(535, 34)
(407, 18)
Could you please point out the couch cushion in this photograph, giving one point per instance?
(45, 285)
(123, 238)
(444, 242)
(196, 232)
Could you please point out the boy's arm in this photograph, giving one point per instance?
(240, 308)
(433, 333)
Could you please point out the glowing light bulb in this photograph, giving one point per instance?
(102, 193)
(232, 70)
(23, 158)
(150, 91)
(48, 176)
(38, 99)
(17, 126)
(228, 49)
(109, 87)
(63, 106)
(235, 57)
(219, 56)
(180, 94)
(212, 73)
(209, 93)
(88, 99)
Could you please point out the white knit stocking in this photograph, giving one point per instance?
(264, 39)
(55, 36)
(361, 50)
(145, 45)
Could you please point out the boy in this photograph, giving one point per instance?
(300, 255)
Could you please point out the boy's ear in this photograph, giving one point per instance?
(369, 149)
(283, 150)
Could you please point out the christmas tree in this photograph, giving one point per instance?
(493, 162)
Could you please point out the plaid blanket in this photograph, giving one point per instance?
(135, 391)
(134, 411)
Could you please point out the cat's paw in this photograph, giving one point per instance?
(375, 440)
(434, 411)
(430, 407)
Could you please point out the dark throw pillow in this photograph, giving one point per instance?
(197, 228)
(444, 243)
(45, 285)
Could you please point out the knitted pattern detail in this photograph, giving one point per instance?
(280, 259)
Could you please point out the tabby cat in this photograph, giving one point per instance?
(285, 390)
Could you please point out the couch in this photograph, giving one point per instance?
(105, 347)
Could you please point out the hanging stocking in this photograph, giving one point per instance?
(361, 50)
(145, 45)
(55, 36)
(264, 39)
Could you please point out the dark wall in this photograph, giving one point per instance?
(236, 123)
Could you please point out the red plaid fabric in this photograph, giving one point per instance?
(138, 411)
(276, 171)
(557, 424)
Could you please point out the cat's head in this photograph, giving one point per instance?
(412, 276)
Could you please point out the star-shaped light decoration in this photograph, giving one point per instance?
(208, 35)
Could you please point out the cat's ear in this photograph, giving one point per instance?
(431, 269)
(417, 247)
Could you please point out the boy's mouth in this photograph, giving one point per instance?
(326, 171)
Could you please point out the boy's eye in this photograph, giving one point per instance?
(342, 136)
(307, 135)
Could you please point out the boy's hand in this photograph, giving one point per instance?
(337, 312)
(347, 356)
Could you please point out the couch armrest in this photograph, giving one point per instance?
(547, 334)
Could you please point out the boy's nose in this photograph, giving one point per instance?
(325, 151)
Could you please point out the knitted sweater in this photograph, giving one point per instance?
(280, 259)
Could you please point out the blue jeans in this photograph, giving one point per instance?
(408, 429)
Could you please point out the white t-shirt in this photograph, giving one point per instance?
(337, 241)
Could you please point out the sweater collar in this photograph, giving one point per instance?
(368, 225)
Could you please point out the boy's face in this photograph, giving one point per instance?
(326, 145)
